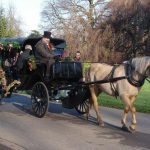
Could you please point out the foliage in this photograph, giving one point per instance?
(32, 63)
(3, 22)
(10, 26)
(3, 26)
(34, 34)
(16, 45)
(85, 67)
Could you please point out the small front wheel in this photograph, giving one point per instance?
(83, 108)
(39, 99)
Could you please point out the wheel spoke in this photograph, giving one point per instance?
(83, 107)
(40, 112)
(36, 109)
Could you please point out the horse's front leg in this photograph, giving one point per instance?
(124, 118)
(129, 107)
(133, 124)
(133, 113)
(95, 104)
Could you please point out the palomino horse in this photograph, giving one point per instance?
(135, 72)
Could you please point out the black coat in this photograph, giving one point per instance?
(22, 58)
(42, 52)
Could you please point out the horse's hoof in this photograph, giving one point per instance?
(87, 117)
(125, 128)
(101, 124)
(131, 129)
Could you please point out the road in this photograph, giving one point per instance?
(65, 129)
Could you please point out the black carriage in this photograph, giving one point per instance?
(64, 84)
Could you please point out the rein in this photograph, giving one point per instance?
(148, 80)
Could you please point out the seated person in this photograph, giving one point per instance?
(77, 56)
(43, 52)
(23, 57)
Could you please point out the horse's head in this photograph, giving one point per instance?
(141, 65)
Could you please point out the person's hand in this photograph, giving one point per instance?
(57, 58)
(30, 66)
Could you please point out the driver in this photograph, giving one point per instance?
(43, 52)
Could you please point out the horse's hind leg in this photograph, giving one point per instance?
(87, 115)
(95, 104)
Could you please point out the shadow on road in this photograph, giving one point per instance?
(137, 139)
(23, 103)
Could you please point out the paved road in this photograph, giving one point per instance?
(64, 129)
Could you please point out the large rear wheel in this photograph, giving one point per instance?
(39, 99)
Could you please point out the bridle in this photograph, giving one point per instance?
(129, 69)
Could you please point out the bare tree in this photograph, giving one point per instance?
(14, 24)
(74, 20)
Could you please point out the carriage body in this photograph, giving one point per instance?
(64, 81)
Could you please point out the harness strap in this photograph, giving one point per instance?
(110, 76)
(148, 80)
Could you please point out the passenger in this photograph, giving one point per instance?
(43, 52)
(77, 56)
(23, 57)
(12, 55)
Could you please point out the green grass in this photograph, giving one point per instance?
(25, 92)
(142, 103)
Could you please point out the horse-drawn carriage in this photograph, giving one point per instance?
(63, 83)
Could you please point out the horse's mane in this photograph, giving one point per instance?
(140, 64)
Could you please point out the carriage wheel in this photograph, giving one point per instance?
(39, 99)
(83, 107)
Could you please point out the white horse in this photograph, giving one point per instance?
(135, 72)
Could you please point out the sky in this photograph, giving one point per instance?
(29, 12)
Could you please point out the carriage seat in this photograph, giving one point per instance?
(69, 71)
